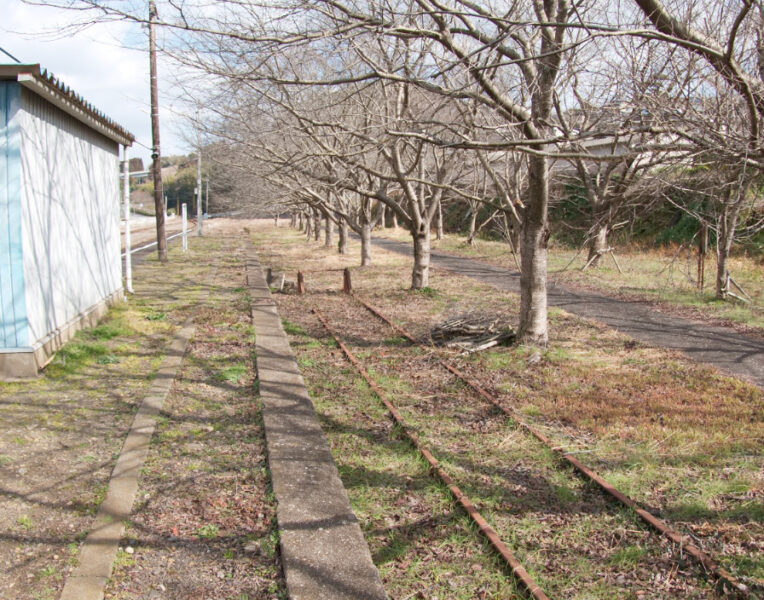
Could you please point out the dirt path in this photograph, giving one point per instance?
(721, 347)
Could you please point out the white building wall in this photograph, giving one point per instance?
(70, 215)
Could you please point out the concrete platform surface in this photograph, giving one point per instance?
(323, 552)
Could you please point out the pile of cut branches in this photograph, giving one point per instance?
(471, 333)
(279, 283)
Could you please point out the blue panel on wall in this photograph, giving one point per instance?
(14, 328)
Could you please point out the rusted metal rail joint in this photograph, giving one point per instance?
(517, 569)
(685, 542)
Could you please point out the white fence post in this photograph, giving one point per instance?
(184, 212)
(126, 199)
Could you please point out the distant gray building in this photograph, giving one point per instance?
(59, 216)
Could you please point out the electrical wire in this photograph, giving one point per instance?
(4, 51)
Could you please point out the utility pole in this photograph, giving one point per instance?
(156, 157)
(198, 174)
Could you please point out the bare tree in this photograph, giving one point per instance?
(721, 112)
(510, 61)
(614, 140)
(506, 61)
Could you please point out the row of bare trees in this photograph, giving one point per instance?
(342, 107)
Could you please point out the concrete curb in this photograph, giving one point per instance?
(323, 552)
(98, 551)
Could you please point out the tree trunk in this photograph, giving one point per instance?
(727, 224)
(516, 237)
(329, 232)
(513, 229)
(365, 244)
(420, 275)
(439, 222)
(702, 250)
(276, 219)
(382, 215)
(343, 245)
(317, 225)
(293, 220)
(308, 227)
(471, 228)
(395, 221)
(533, 264)
(598, 243)
(300, 221)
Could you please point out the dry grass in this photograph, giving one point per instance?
(205, 523)
(666, 276)
(681, 438)
(60, 434)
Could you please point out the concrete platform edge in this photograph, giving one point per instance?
(323, 552)
(99, 549)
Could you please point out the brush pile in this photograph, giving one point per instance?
(279, 283)
(471, 333)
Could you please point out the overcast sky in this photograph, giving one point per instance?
(97, 64)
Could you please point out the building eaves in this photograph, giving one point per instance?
(47, 86)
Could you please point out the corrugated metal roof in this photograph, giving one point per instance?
(53, 89)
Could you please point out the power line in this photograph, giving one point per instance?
(4, 51)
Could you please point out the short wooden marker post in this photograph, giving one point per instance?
(347, 285)
(300, 283)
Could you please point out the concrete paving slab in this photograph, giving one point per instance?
(323, 552)
(100, 547)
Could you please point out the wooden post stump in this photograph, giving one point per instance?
(347, 285)
(300, 283)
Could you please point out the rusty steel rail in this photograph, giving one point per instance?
(489, 532)
(685, 542)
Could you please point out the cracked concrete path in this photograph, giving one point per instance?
(323, 552)
(722, 347)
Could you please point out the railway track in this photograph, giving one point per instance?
(415, 433)
(656, 523)
(516, 567)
